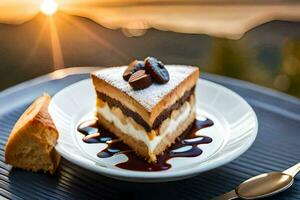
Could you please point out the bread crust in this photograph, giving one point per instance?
(31, 143)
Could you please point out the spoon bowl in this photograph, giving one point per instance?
(264, 185)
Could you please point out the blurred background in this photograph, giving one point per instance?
(247, 40)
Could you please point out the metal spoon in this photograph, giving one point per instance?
(263, 185)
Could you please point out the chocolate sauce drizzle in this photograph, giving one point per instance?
(94, 133)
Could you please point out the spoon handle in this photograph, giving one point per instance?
(228, 196)
(292, 171)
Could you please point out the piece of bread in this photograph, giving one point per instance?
(31, 143)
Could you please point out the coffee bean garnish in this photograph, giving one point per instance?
(157, 70)
(140, 80)
(133, 67)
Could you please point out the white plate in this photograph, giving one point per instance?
(234, 130)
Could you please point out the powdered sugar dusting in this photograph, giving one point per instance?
(152, 95)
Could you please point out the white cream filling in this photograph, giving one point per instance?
(142, 135)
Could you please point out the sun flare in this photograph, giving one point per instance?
(49, 7)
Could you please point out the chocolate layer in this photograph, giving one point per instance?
(126, 111)
(159, 119)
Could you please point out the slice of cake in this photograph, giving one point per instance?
(146, 116)
(31, 143)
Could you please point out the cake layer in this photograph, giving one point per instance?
(138, 118)
(150, 102)
(147, 144)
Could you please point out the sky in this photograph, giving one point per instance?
(227, 21)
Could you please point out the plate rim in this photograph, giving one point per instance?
(138, 176)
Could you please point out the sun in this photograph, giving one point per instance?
(49, 7)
